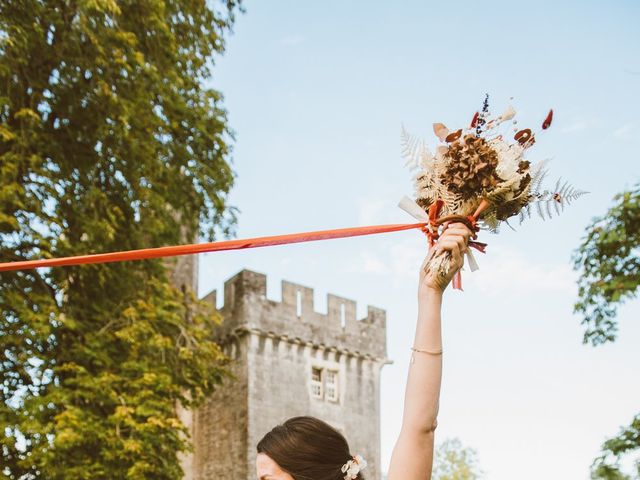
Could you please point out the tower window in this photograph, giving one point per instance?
(324, 384)
(316, 382)
(332, 385)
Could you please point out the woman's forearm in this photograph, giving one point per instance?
(412, 456)
(425, 369)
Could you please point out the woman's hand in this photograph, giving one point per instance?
(454, 239)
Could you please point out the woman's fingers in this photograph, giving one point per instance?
(458, 228)
(461, 240)
(456, 244)
(463, 232)
(451, 245)
(456, 255)
(460, 232)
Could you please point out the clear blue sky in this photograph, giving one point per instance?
(317, 92)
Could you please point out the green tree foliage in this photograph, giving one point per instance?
(107, 139)
(453, 461)
(607, 466)
(609, 264)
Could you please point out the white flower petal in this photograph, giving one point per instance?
(508, 114)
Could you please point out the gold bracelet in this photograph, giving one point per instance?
(439, 352)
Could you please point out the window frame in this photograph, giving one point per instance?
(317, 383)
(335, 384)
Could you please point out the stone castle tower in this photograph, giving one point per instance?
(287, 360)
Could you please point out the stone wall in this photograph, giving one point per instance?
(279, 388)
(220, 426)
(274, 345)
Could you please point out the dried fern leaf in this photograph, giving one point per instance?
(540, 211)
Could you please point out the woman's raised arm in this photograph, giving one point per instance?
(412, 457)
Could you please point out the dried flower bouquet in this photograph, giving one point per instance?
(478, 177)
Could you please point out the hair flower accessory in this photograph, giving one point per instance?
(353, 467)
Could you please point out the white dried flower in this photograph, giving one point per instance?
(508, 114)
(353, 467)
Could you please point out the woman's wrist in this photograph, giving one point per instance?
(429, 292)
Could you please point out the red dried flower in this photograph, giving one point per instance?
(547, 121)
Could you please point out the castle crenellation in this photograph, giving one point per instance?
(287, 360)
(246, 306)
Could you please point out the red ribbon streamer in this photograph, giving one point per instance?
(430, 229)
(208, 247)
(457, 277)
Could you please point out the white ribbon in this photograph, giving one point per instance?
(413, 209)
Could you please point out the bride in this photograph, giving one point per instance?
(306, 448)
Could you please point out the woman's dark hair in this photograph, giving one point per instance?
(307, 449)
